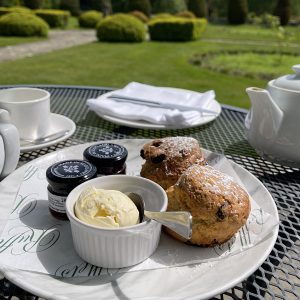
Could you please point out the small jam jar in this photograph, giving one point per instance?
(63, 177)
(109, 158)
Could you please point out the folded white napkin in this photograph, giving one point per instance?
(155, 115)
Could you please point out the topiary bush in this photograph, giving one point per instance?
(161, 16)
(18, 9)
(90, 19)
(176, 29)
(121, 28)
(237, 11)
(169, 6)
(54, 17)
(139, 15)
(23, 24)
(186, 14)
(198, 7)
(140, 5)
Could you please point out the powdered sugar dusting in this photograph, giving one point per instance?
(212, 181)
(178, 146)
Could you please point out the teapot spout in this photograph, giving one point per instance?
(265, 116)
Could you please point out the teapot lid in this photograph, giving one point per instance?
(291, 81)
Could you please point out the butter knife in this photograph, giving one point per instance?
(158, 104)
(44, 139)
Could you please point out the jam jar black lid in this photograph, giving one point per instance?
(106, 154)
(67, 174)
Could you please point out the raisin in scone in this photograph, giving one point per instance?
(167, 158)
(219, 206)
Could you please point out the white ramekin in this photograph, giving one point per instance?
(121, 247)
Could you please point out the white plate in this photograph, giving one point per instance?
(200, 281)
(213, 105)
(58, 123)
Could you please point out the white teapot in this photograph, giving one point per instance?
(9, 147)
(273, 122)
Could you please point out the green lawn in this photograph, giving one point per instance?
(9, 41)
(157, 63)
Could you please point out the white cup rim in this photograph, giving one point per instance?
(42, 98)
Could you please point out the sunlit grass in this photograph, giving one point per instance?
(156, 63)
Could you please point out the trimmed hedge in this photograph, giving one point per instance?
(23, 24)
(186, 14)
(121, 28)
(17, 9)
(54, 17)
(90, 19)
(139, 15)
(176, 29)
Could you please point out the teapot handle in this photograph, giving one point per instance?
(11, 142)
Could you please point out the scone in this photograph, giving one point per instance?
(219, 206)
(167, 158)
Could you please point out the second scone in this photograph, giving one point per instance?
(167, 158)
(219, 205)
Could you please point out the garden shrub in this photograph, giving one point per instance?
(33, 4)
(18, 9)
(121, 28)
(23, 24)
(169, 6)
(141, 16)
(140, 5)
(270, 21)
(176, 29)
(71, 5)
(186, 14)
(283, 11)
(237, 11)
(198, 7)
(90, 19)
(54, 17)
(161, 16)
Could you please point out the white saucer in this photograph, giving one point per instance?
(58, 123)
(190, 282)
(213, 105)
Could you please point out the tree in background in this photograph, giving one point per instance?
(237, 11)
(141, 5)
(169, 6)
(71, 5)
(198, 7)
(260, 7)
(105, 7)
(33, 4)
(118, 5)
(283, 11)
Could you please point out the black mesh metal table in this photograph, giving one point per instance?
(279, 275)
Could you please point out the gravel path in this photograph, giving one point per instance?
(57, 39)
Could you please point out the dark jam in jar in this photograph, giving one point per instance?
(63, 177)
(109, 158)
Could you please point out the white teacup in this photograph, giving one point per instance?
(9, 149)
(28, 109)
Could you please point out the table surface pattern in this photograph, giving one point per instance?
(279, 275)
